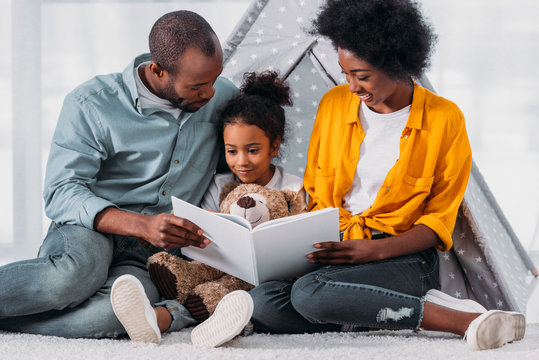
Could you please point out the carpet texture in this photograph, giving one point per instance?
(367, 345)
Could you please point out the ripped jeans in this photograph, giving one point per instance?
(387, 294)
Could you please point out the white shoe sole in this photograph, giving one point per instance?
(443, 299)
(495, 328)
(133, 309)
(228, 320)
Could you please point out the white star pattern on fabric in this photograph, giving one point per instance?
(452, 276)
(457, 294)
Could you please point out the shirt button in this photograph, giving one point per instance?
(176, 162)
(387, 188)
(164, 193)
(405, 136)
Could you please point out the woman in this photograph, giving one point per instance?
(395, 159)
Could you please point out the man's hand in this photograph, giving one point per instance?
(169, 232)
(164, 230)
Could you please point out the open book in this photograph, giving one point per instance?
(274, 250)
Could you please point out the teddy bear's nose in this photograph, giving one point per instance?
(246, 202)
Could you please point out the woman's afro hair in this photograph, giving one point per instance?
(391, 35)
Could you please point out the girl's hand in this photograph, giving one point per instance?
(356, 251)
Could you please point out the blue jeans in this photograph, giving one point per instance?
(65, 291)
(386, 294)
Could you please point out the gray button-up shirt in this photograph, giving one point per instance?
(107, 151)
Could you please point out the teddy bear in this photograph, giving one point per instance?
(200, 287)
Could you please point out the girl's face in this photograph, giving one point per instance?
(380, 93)
(249, 152)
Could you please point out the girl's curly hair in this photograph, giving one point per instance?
(391, 35)
(260, 102)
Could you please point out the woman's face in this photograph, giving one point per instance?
(380, 93)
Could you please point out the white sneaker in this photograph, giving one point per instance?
(495, 328)
(228, 320)
(133, 309)
(465, 305)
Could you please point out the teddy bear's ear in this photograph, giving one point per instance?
(296, 201)
(227, 189)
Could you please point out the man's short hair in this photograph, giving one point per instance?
(175, 32)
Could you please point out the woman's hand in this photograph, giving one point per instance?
(359, 251)
(355, 251)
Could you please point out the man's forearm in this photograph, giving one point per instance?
(119, 222)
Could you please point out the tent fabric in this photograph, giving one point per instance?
(487, 262)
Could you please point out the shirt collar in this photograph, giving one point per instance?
(415, 119)
(128, 76)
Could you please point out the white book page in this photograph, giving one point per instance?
(236, 219)
(280, 249)
(230, 249)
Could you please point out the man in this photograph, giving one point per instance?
(124, 144)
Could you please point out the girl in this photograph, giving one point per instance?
(253, 128)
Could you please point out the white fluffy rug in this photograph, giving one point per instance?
(368, 345)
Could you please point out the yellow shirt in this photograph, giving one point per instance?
(426, 184)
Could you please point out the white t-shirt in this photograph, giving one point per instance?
(280, 181)
(377, 154)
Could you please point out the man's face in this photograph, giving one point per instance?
(191, 86)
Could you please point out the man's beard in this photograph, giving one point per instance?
(169, 93)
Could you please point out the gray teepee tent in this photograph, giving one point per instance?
(487, 262)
